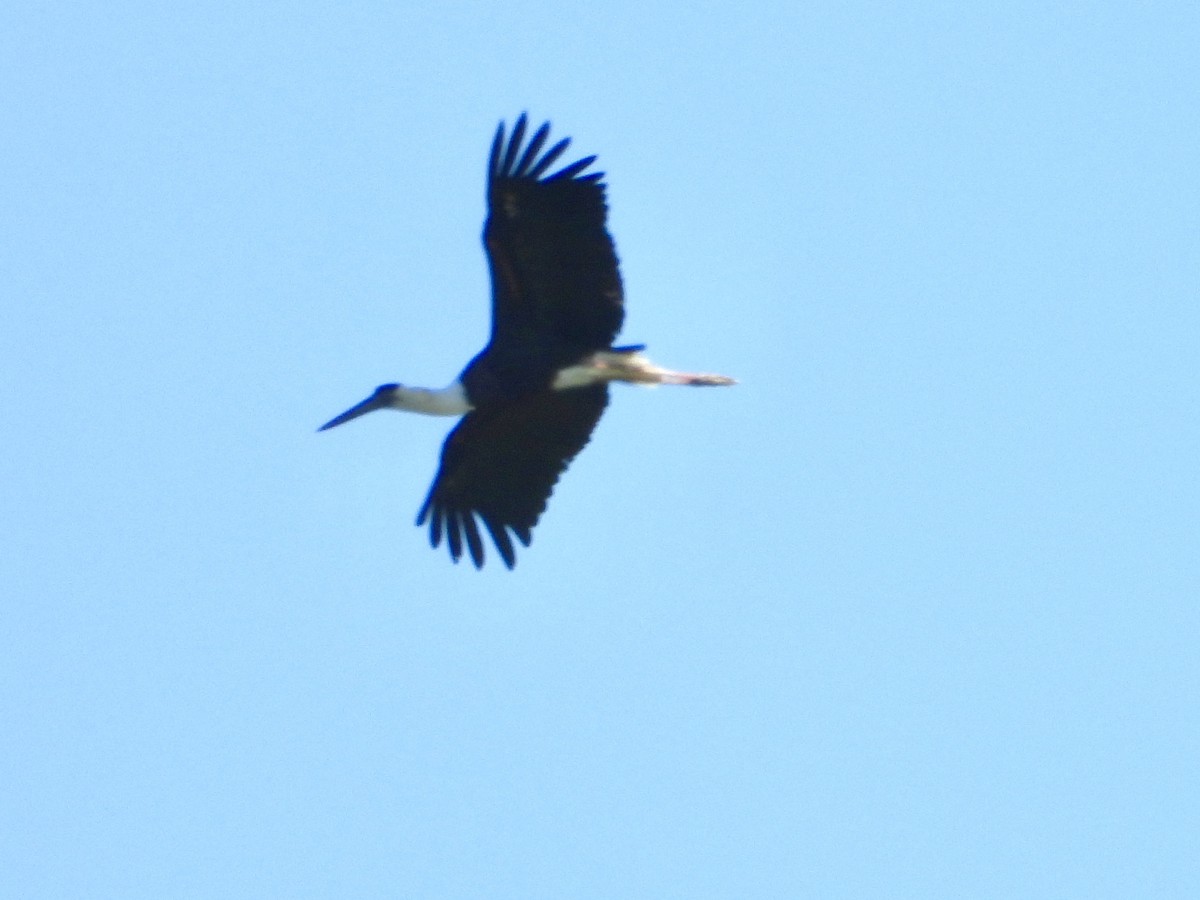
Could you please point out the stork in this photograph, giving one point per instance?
(531, 398)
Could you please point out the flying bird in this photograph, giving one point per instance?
(531, 398)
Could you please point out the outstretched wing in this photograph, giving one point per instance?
(555, 281)
(501, 463)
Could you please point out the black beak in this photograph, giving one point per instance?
(372, 403)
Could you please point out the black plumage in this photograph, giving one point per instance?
(556, 297)
(501, 463)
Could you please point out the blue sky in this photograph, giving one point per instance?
(910, 612)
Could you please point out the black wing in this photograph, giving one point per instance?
(555, 282)
(501, 463)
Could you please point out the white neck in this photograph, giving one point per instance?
(448, 401)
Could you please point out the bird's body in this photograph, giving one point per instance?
(531, 398)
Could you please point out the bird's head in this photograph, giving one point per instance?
(385, 396)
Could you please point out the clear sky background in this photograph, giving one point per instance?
(910, 612)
